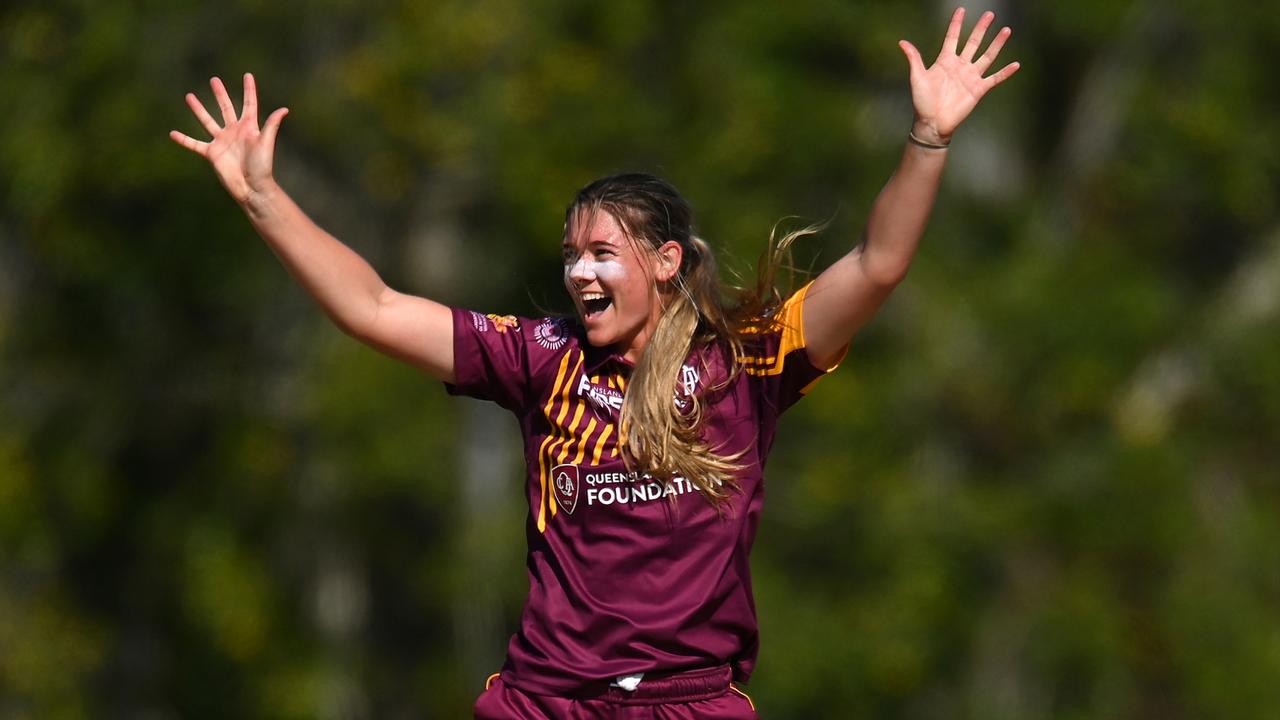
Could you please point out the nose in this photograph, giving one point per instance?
(579, 271)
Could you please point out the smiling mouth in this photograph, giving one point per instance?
(595, 303)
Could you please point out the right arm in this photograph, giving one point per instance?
(413, 329)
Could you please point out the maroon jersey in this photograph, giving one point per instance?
(622, 579)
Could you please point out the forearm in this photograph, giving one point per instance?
(900, 213)
(347, 288)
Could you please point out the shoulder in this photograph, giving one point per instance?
(511, 359)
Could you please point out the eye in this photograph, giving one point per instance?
(567, 253)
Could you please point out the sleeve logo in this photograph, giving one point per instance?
(502, 322)
(552, 333)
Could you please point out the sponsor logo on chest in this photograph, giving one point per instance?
(602, 398)
(572, 483)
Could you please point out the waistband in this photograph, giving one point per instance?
(671, 687)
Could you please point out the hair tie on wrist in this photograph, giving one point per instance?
(911, 135)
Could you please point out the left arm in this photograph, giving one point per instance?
(846, 295)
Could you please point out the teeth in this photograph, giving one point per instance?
(593, 296)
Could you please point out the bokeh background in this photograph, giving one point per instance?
(1045, 484)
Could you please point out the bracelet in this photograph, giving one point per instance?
(911, 135)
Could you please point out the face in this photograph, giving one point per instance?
(614, 283)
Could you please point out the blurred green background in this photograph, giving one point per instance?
(1044, 484)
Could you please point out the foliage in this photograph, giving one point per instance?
(1044, 485)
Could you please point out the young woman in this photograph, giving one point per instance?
(646, 419)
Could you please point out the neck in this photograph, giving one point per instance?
(635, 348)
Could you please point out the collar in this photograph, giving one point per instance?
(595, 358)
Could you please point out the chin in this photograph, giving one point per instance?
(607, 337)
(600, 338)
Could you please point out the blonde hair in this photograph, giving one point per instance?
(655, 434)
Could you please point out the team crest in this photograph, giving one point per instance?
(564, 481)
(552, 333)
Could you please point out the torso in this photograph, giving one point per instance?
(627, 573)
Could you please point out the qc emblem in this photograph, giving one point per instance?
(564, 480)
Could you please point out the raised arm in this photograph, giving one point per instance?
(413, 329)
(845, 296)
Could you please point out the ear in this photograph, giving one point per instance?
(667, 264)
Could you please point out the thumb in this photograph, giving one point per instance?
(272, 126)
(914, 61)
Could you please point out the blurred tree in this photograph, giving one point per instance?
(1044, 486)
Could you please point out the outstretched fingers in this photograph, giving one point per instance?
(250, 110)
(952, 40)
(190, 143)
(1005, 73)
(272, 126)
(914, 61)
(202, 115)
(224, 100)
(975, 37)
(993, 50)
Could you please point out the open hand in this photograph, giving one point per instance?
(945, 93)
(240, 153)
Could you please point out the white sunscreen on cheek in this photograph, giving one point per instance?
(588, 268)
(610, 271)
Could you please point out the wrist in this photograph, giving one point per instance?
(257, 201)
(926, 134)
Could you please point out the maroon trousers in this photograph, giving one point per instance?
(695, 695)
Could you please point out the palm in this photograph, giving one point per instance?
(240, 153)
(945, 93)
(237, 150)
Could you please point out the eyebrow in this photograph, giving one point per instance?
(592, 243)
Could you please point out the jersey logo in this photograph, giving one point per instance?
(502, 322)
(552, 333)
(564, 480)
(689, 378)
(603, 399)
(611, 487)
